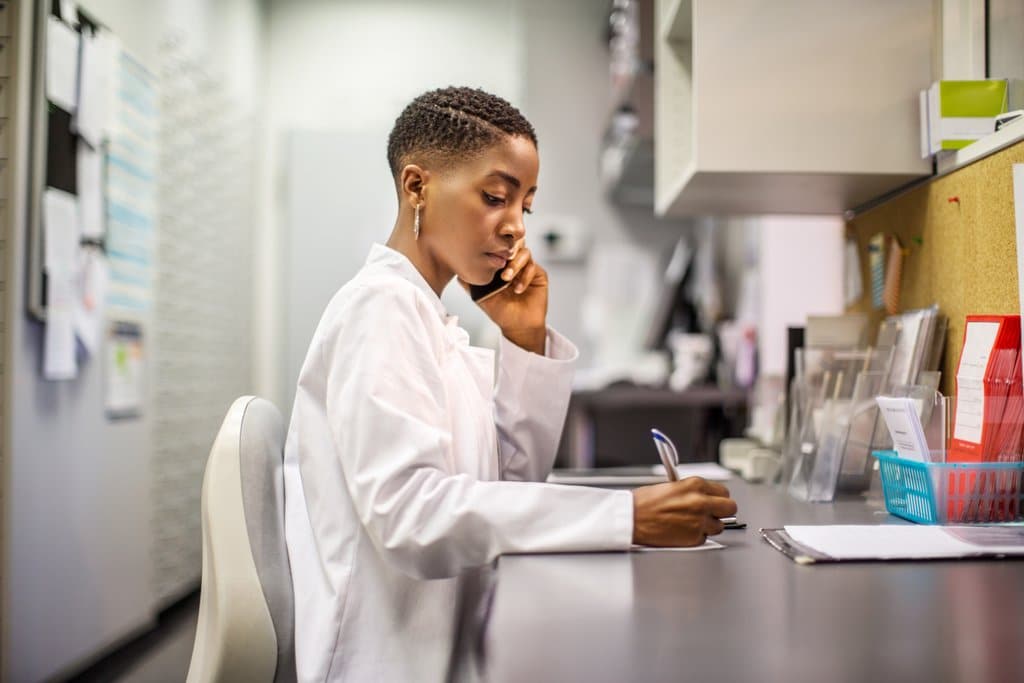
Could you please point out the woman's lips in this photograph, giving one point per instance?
(497, 261)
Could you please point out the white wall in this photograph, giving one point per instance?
(344, 71)
(1005, 48)
(801, 264)
(567, 100)
(350, 67)
(77, 526)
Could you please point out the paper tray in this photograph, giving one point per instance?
(953, 492)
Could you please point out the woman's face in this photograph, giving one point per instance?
(473, 213)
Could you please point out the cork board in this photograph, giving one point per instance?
(960, 241)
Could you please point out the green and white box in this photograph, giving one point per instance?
(956, 113)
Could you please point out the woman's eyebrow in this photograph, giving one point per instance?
(510, 179)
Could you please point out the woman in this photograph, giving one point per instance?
(405, 465)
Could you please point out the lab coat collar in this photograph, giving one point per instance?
(387, 257)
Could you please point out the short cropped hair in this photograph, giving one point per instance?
(451, 124)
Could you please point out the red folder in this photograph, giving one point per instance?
(982, 385)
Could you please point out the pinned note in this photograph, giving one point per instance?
(60, 237)
(91, 296)
(92, 115)
(61, 64)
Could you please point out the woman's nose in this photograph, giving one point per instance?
(514, 229)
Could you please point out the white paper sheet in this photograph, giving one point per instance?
(910, 348)
(904, 421)
(708, 470)
(61, 64)
(970, 403)
(854, 285)
(910, 541)
(89, 303)
(708, 545)
(711, 471)
(69, 11)
(60, 229)
(1018, 204)
(60, 237)
(92, 117)
(59, 362)
(89, 164)
(132, 170)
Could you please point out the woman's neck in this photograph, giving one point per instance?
(404, 242)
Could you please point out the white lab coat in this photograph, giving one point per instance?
(404, 468)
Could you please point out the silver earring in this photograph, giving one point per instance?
(416, 223)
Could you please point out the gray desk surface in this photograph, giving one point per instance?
(748, 613)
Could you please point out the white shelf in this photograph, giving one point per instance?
(990, 144)
(696, 193)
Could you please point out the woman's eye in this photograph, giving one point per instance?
(492, 200)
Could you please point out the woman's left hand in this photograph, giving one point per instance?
(521, 309)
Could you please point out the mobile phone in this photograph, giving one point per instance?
(479, 293)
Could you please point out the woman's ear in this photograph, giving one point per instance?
(413, 182)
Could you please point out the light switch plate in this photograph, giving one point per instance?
(557, 238)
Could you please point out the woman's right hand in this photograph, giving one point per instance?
(680, 513)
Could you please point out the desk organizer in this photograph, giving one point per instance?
(952, 492)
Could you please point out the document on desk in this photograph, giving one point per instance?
(902, 417)
(836, 543)
(637, 476)
(707, 545)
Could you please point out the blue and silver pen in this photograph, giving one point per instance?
(668, 453)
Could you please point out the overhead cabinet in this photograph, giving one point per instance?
(787, 106)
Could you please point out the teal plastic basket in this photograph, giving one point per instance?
(952, 492)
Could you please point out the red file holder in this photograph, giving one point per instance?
(1001, 371)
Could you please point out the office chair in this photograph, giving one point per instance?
(246, 617)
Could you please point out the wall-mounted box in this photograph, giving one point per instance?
(789, 106)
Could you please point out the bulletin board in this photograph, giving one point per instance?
(53, 145)
(959, 235)
(92, 203)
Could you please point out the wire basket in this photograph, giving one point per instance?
(952, 492)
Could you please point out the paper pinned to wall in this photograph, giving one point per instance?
(69, 11)
(91, 297)
(60, 235)
(130, 187)
(854, 285)
(61, 64)
(92, 116)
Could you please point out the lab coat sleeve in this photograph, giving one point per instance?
(385, 404)
(530, 403)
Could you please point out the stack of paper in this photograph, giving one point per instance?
(835, 543)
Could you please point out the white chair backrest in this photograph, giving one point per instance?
(246, 622)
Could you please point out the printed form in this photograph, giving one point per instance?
(970, 404)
